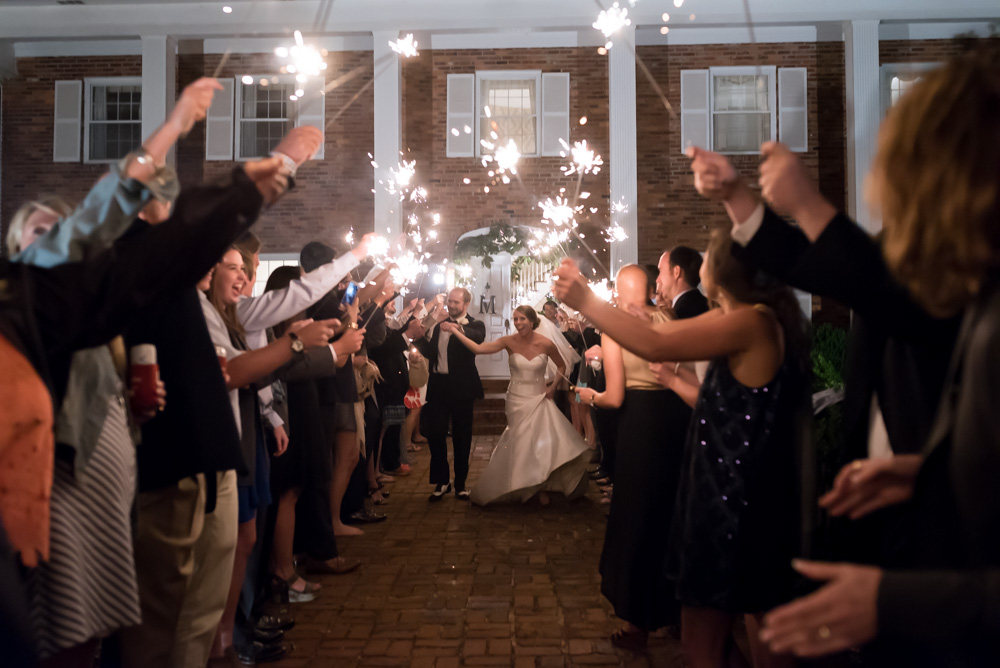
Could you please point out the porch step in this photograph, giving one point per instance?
(489, 417)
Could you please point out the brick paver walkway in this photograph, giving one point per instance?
(449, 584)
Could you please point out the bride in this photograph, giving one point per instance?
(539, 451)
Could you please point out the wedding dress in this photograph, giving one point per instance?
(539, 450)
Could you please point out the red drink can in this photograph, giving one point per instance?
(144, 373)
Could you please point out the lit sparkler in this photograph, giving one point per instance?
(603, 290)
(304, 61)
(584, 160)
(559, 212)
(611, 20)
(405, 46)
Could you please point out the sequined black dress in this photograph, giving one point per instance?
(736, 523)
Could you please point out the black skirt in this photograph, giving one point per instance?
(308, 460)
(651, 429)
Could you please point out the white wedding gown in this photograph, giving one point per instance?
(539, 450)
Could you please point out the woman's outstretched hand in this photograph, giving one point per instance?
(569, 287)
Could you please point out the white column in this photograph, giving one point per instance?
(388, 131)
(864, 114)
(622, 147)
(159, 83)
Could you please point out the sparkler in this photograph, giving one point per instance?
(405, 46)
(611, 20)
(584, 160)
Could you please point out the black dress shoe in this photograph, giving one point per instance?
(268, 637)
(439, 492)
(260, 653)
(274, 623)
(366, 516)
(598, 473)
(463, 494)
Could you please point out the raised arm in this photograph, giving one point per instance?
(478, 347)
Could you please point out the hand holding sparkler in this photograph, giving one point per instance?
(266, 175)
(193, 104)
(714, 175)
(789, 189)
(300, 144)
(570, 287)
(362, 249)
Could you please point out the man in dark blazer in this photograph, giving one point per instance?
(452, 389)
(677, 284)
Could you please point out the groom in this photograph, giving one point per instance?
(452, 389)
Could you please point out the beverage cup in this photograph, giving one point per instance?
(144, 373)
(220, 352)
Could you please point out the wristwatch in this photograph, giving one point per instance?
(297, 345)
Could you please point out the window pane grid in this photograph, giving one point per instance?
(741, 112)
(513, 112)
(265, 117)
(115, 121)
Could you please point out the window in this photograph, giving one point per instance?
(512, 100)
(898, 78)
(268, 263)
(742, 108)
(264, 115)
(113, 117)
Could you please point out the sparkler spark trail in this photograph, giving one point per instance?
(611, 20)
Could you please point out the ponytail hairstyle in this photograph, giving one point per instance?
(529, 313)
(752, 286)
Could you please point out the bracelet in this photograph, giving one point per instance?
(287, 162)
(352, 325)
(593, 400)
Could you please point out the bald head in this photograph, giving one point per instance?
(632, 285)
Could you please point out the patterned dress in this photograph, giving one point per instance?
(87, 589)
(737, 520)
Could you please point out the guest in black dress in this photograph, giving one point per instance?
(735, 528)
(652, 423)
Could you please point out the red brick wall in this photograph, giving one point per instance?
(333, 194)
(28, 103)
(670, 211)
(468, 207)
(921, 51)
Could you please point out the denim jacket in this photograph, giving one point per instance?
(104, 215)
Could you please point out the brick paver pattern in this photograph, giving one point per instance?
(449, 584)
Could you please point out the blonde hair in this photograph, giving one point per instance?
(51, 204)
(937, 181)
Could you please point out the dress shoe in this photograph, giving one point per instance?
(268, 637)
(598, 474)
(366, 516)
(261, 653)
(335, 566)
(463, 494)
(275, 623)
(439, 492)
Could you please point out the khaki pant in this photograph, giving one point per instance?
(213, 572)
(177, 548)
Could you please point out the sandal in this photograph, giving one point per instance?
(420, 442)
(411, 447)
(375, 494)
(291, 595)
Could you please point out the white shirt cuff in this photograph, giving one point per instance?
(333, 352)
(744, 233)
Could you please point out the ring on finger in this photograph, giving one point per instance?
(823, 632)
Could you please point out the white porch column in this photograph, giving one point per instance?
(864, 114)
(388, 131)
(622, 147)
(159, 83)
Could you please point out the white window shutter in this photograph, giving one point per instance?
(555, 112)
(461, 113)
(696, 126)
(312, 111)
(219, 123)
(793, 112)
(68, 108)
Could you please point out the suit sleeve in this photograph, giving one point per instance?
(942, 608)
(476, 331)
(844, 263)
(315, 363)
(85, 304)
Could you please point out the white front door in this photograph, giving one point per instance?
(491, 304)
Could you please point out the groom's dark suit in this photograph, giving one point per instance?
(452, 396)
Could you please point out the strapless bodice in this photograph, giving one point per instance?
(527, 376)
